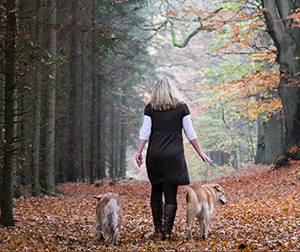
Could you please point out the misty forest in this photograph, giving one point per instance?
(75, 77)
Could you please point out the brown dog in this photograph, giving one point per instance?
(109, 216)
(200, 204)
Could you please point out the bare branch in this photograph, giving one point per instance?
(192, 34)
(187, 38)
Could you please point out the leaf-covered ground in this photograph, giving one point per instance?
(262, 213)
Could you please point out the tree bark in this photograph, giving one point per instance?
(123, 141)
(112, 146)
(73, 152)
(7, 218)
(93, 103)
(123, 148)
(51, 104)
(36, 131)
(82, 173)
(274, 137)
(2, 123)
(117, 135)
(100, 166)
(270, 139)
(285, 33)
(260, 157)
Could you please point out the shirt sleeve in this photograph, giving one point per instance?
(147, 110)
(145, 130)
(188, 128)
(185, 110)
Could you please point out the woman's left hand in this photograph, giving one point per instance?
(205, 158)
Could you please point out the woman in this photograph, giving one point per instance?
(164, 118)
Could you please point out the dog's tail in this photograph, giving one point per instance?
(192, 200)
(112, 213)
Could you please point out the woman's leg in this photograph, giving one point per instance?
(157, 207)
(170, 207)
(170, 192)
(157, 192)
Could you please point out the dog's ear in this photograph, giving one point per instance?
(217, 187)
(98, 197)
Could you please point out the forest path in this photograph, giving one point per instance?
(262, 213)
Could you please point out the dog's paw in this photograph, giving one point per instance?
(101, 236)
(189, 235)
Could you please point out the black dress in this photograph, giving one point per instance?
(165, 159)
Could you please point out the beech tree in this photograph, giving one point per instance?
(282, 21)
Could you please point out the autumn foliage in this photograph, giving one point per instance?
(262, 213)
(240, 30)
(252, 95)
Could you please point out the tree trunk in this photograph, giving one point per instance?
(237, 155)
(270, 139)
(7, 218)
(112, 142)
(82, 173)
(24, 132)
(100, 166)
(51, 102)
(117, 136)
(93, 103)
(274, 137)
(36, 131)
(73, 164)
(260, 157)
(123, 142)
(286, 38)
(123, 147)
(2, 122)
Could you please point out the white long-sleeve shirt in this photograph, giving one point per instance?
(187, 125)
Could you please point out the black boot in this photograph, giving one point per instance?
(157, 212)
(169, 217)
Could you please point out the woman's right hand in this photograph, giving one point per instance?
(139, 159)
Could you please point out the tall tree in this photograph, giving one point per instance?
(81, 115)
(93, 102)
(113, 161)
(7, 218)
(284, 29)
(51, 101)
(36, 131)
(73, 59)
(100, 150)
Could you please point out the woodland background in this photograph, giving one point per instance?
(75, 77)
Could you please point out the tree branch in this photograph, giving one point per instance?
(187, 38)
(274, 24)
(190, 35)
(284, 10)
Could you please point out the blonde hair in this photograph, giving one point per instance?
(165, 96)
